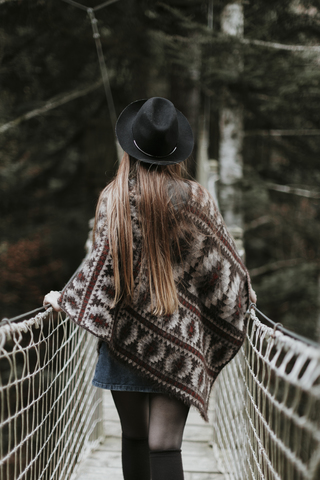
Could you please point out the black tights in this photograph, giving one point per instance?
(151, 424)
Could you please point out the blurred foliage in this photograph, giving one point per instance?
(54, 165)
(26, 269)
(292, 297)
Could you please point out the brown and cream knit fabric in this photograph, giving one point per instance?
(182, 353)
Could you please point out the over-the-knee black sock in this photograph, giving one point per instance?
(135, 458)
(166, 465)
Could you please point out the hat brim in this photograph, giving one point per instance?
(124, 134)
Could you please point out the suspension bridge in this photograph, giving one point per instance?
(265, 408)
(264, 417)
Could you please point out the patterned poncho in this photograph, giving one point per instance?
(184, 352)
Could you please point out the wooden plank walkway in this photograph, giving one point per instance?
(105, 461)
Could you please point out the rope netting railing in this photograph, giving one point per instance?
(49, 413)
(267, 403)
(267, 408)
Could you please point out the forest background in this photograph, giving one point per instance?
(57, 143)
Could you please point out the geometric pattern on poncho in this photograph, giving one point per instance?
(181, 353)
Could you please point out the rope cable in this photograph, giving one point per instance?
(85, 8)
(102, 64)
(53, 103)
(103, 67)
(105, 4)
(76, 4)
(50, 104)
(23, 316)
(284, 330)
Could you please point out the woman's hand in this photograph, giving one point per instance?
(252, 295)
(52, 299)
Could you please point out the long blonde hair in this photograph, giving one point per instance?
(161, 193)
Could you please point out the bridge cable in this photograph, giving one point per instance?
(282, 329)
(103, 67)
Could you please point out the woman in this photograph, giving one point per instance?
(164, 290)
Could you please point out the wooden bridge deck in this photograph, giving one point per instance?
(105, 461)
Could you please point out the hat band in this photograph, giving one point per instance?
(154, 156)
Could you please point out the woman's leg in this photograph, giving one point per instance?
(133, 410)
(166, 425)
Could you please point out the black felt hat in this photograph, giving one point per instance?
(154, 131)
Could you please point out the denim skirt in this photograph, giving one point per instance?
(113, 375)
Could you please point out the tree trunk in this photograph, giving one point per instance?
(231, 128)
(207, 170)
(318, 323)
